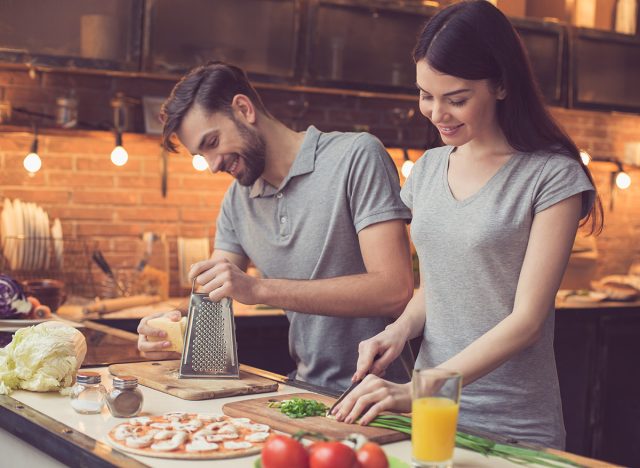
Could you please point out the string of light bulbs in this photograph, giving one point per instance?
(32, 161)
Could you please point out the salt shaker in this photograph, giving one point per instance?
(125, 399)
(88, 393)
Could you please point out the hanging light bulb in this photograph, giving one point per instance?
(407, 165)
(119, 155)
(623, 180)
(586, 157)
(199, 162)
(32, 162)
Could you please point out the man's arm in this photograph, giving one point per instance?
(383, 290)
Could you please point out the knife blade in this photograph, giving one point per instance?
(344, 394)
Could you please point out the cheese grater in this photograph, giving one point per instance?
(210, 348)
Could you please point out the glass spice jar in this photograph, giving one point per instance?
(88, 394)
(125, 399)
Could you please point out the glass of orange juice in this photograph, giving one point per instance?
(434, 416)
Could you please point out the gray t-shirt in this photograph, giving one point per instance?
(308, 229)
(471, 253)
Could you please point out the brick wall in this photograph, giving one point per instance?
(95, 199)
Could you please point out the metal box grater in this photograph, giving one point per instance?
(210, 348)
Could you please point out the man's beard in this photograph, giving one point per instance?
(253, 154)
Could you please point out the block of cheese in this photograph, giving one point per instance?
(174, 331)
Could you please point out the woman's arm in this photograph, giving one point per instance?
(376, 353)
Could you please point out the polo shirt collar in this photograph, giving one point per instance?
(303, 164)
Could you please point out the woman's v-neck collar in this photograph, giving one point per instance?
(481, 190)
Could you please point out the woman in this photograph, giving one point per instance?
(495, 213)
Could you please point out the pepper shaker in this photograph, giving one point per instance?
(125, 399)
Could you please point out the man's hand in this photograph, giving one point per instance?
(154, 349)
(376, 353)
(221, 278)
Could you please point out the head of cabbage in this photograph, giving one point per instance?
(42, 358)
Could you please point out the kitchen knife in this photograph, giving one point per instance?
(344, 394)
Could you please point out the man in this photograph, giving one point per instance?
(319, 215)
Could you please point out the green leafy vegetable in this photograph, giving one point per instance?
(300, 408)
(520, 455)
(41, 358)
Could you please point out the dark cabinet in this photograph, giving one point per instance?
(358, 44)
(596, 353)
(347, 44)
(260, 36)
(546, 45)
(605, 70)
(72, 33)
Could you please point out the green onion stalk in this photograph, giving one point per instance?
(519, 455)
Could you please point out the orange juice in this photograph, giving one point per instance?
(433, 428)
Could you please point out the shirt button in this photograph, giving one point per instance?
(279, 195)
(283, 220)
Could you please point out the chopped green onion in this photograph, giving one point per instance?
(519, 455)
(300, 408)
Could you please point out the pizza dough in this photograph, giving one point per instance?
(196, 436)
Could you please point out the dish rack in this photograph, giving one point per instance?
(69, 260)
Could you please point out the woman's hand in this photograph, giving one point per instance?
(376, 353)
(371, 397)
(154, 349)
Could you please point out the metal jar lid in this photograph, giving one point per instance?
(87, 377)
(125, 381)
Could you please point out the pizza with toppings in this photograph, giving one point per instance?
(189, 435)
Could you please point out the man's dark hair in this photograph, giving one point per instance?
(211, 86)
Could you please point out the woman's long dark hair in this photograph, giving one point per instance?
(473, 40)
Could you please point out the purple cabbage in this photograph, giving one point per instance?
(13, 302)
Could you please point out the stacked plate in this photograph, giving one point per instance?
(28, 243)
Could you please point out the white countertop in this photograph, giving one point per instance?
(97, 426)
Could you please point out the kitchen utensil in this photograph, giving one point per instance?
(163, 376)
(258, 410)
(102, 263)
(210, 348)
(147, 238)
(77, 312)
(344, 394)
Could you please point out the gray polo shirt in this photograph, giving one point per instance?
(307, 229)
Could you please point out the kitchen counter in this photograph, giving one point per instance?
(594, 343)
(47, 422)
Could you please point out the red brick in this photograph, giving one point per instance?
(19, 177)
(173, 198)
(111, 229)
(78, 145)
(81, 214)
(105, 198)
(128, 182)
(62, 179)
(198, 215)
(40, 196)
(103, 164)
(147, 214)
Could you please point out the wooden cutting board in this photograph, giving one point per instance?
(163, 376)
(258, 410)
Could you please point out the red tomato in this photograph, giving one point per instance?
(281, 451)
(332, 455)
(371, 455)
